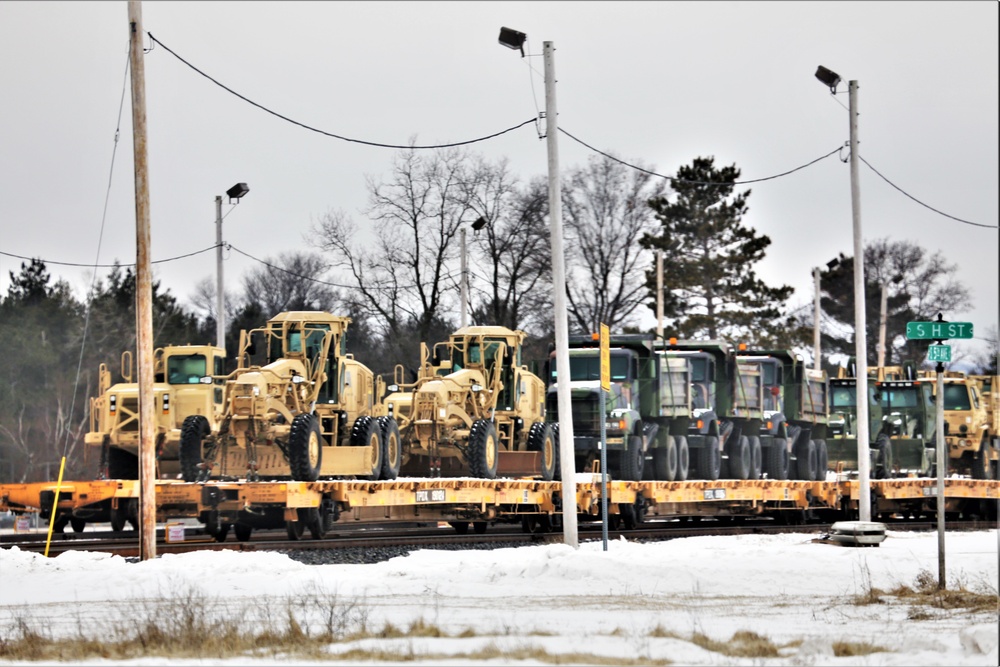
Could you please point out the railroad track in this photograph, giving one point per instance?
(127, 544)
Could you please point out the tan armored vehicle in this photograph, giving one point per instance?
(474, 410)
(970, 422)
(297, 406)
(178, 392)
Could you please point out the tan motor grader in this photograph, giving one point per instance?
(474, 410)
(297, 406)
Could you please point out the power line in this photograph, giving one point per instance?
(330, 134)
(968, 222)
(107, 266)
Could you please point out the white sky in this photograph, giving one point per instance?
(785, 588)
(661, 82)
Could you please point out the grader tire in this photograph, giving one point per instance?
(305, 448)
(540, 440)
(484, 450)
(392, 448)
(366, 433)
(193, 432)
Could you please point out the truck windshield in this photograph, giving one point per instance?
(186, 368)
(900, 397)
(844, 397)
(956, 397)
(583, 368)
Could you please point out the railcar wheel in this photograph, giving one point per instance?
(776, 461)
(78, 524)
(295, 529)
(392, 449)
(305, 448)
(118, 518)
(665, 461)
(461, 527)
(479, 527)
(243, 532)
(218, 531)
(483, 450)
(683, 458)
(535, 523)
(756, 458)
(540, 440)
(193, 432)
(739, 457)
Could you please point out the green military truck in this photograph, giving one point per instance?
(842, 444)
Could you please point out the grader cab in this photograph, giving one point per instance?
(297, 406)
(474, 409)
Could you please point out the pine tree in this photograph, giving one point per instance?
(710, 287)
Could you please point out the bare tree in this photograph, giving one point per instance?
(291, 282)
(606, 214)
(513, 256)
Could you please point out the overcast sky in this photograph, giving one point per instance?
(660, 82)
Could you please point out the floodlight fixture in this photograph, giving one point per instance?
(513, 39)
(829, 77)
(833, 263)
(479, 224)
(237, 191)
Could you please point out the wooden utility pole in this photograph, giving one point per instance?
(143, 291)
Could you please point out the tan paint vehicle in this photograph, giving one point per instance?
(970, 422)
(297, 406)
(178, 392)
(474, 409)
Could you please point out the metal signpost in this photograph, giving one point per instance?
(605, 387)
(939, 331)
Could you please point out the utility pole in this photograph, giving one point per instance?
(860, 336)
(220, 295)
(566, 448)
(465, 279)
(881, 327)
(817, 358)
(659, 294)
(143, 291)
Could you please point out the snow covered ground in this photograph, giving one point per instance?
(635, 602)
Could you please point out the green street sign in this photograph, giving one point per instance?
(939, 353)
(938, 330)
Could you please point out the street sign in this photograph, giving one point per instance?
(938, 330)
(605, 358)
(939, 353)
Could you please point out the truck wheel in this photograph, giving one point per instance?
(709, 462)
(305, 448)
(665, 461)
(193, 432)
(683, 458)
(365, 433)
(392, 450)
(776, 461)
(483, 450)
(822, 460)
(540, 440)
(806, 460)
(739, 457)
(756, 458)
(557, 473)
(981, 461)
(633, 459)
(883, 457)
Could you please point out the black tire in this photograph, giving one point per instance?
(305, 448)
(633, 459)
(392, 447)
(883, 457)
(78, 524)
(479, 527)
(483, 450)
(710, 459)
(366, 433)
(557, 474)
(540, 440)
(683, 458)
(461, 527)
(243, 532)
(665, 461)
(806, 460)
(822, 460)
(776, 460)
(738, 450)
(981, 467)
(193, 432)
(756, 458)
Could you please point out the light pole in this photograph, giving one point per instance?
(817, 352)
(236, 192)
(515, 40)
(883, 318)
(831, 79)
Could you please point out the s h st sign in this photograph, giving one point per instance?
(938, 330)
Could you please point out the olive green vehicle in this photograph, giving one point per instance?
(178, 392)
(473, 409)
(842, 440)
(297, 407)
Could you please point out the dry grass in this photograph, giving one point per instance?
(849, 649)
(743, 644)
(973, 598)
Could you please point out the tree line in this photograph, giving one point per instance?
(395, 273)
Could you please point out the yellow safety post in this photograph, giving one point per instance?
(55, 506)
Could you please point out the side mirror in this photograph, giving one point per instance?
(206, 379)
